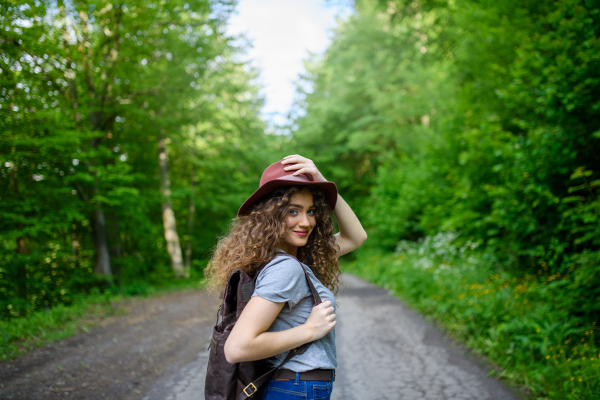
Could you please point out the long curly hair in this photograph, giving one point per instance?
(254, 238)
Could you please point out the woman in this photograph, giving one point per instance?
(289, 216)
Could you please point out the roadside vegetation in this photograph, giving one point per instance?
(523, 324)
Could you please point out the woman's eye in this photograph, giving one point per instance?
(312, 212)
(294, 212)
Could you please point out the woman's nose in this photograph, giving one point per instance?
(304, 222)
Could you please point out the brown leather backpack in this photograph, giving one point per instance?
(241, 381)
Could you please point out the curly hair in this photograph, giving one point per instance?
(253, 239)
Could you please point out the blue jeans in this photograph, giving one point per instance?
(296, 389)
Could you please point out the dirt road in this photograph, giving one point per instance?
(157, 351)
(120, 360)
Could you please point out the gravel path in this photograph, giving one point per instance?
(121, 359)
(157, 351)
(385, 351)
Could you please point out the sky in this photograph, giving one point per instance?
(282, 33)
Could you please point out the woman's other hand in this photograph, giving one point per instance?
(321, 320)
(303, 165)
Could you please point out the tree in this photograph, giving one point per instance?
(467, 116)
(87, 91)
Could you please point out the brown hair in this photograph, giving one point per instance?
(253, 240)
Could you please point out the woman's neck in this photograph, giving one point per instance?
(288, 248)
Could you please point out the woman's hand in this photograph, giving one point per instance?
(303, 165)
(321, 320)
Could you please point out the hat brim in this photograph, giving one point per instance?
(328, 188)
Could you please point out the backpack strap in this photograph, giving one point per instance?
(253, 387)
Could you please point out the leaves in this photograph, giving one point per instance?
(85, 89)
(477, 117)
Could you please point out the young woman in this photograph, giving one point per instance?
(289, 216)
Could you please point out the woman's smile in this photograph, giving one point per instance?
(299, 222)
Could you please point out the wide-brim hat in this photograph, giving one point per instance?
(275, 176)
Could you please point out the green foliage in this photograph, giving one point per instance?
(86, 90)
(514, 321)
(467, 116)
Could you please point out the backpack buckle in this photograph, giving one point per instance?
(251, 386)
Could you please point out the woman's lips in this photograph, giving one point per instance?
(301, 233)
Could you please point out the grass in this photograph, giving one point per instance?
(20, 335)
(511, 320)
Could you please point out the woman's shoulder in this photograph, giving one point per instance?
(283, 265)
(283, 261)
(282, 280)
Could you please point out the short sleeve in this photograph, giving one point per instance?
(282, 281)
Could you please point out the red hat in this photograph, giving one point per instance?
(275, 176)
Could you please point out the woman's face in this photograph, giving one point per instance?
(299, 222)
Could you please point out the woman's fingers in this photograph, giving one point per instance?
(321, 320)
(311, 171)
(327, 307)
(302, 168)
(286, 158)
(298, 166)
(295, 159)
(303, 165)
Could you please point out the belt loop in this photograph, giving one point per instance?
(297, 383)
(333, 375)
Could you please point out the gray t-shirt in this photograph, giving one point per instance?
(280, 281)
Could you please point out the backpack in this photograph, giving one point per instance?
(241, 381)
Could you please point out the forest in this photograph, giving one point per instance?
(124, 126)
(464, 133)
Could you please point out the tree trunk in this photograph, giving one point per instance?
(22, 246)
(114, 241)
(169, 223)
(113, 235)
(192, 212)
(21, 265)
(102, 256)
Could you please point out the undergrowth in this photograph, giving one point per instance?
(513, 320)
